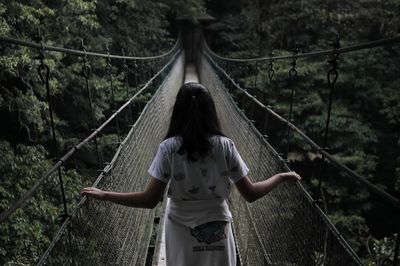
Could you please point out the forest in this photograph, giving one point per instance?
(364, 129)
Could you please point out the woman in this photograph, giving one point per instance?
(199, 163)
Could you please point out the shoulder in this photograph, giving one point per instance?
(170, 143)
(222, 141)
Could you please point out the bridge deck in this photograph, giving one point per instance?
(191, 73)
(160, 258)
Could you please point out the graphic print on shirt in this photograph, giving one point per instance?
(203, 171)
(194, 190)
(179, 176)
(234, 169)
(224, 173)
(165, 175)
(209, 232)
(209, 177)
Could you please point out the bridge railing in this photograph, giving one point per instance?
(129, 85)
(240, 77)
(285, 227)
(98, 233)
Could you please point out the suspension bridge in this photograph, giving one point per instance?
(288, 227)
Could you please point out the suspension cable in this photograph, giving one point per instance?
(108, 69)
(292, 80)
(381, 193)
(271, 73)
(108, 168)
(332, 77)
(126, 84)
(351, 48)
(82, 53)
(86, 71)
(44, 74)
(29, 193)
(271, 70)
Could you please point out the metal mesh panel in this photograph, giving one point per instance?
(102, 233)
(284, 227)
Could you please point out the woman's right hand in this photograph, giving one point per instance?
(290, 176)
(94, 192)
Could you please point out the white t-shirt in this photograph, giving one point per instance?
(207, 178)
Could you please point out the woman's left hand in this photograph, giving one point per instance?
(94, 192)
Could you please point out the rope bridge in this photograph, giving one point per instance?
(93, 232)
(108, 234)
(284, 228)
(287, 227)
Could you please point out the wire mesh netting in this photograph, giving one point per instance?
(100, 233)
(285, 227)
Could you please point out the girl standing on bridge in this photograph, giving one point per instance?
(199, 163)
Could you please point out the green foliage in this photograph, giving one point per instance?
(353, 227)
(364, 123)
(382, 252)
(27, 150)
(30, 230)
(23, 235)
(188, 9)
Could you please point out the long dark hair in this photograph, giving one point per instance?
(194, 119)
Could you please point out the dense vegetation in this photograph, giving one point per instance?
(365, 125)
(26, 145)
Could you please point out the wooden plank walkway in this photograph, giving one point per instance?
(191, 73)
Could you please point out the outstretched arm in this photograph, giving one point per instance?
(145, 199)
(253, 191)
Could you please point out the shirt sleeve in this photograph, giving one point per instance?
(236, 166)
(160, 168)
